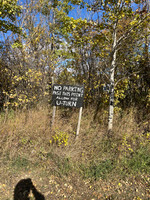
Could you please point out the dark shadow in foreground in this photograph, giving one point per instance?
(23, 188)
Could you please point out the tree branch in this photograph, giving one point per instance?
(129, 31)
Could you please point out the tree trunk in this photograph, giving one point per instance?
(112, 79)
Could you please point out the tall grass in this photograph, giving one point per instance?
(25, 137)
(116, 167)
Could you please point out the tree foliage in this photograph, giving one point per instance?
(8, 12)
(108, 52)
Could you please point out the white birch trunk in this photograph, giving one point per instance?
(112, 79)
(116, 43)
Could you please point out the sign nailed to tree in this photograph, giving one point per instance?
(67, 95)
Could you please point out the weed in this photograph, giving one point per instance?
(60, 138)
(98, 170)
(63, 164)
(139, 162)
(20, 162)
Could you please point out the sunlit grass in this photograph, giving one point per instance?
(25, 146)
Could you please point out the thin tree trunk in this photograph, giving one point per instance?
(112, 79)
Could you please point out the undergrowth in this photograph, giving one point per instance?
(27, 141)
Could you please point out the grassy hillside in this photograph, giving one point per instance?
(88, 168)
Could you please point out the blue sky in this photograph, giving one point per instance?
(75, 13)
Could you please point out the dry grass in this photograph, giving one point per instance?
(90, 167)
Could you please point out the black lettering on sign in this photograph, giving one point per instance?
(67, 95)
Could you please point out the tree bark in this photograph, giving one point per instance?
(112, 79)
